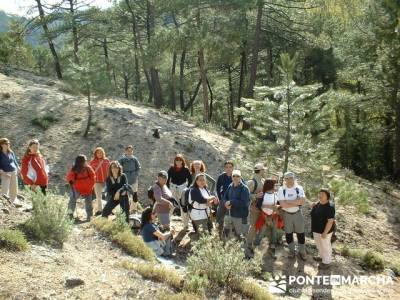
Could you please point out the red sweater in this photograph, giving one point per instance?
(83, 181)
(39, 165)
(101, 171)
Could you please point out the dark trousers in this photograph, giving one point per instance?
(111, 204)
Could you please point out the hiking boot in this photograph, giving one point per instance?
(71, 217)
(17, 203)
(317, 258)
(249, 253)
(272, 251)
(291, 254)
(303, 255)
(98, 213)
(323, 266)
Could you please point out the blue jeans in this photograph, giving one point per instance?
(74, 195)
(161, 247)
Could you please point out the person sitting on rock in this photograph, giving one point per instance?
(9, 169)
(322, 224)
(179, 178)
(81, 179)
(100, 164)
(159, 242)
(34, 169)
(118, 191)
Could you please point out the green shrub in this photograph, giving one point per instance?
(224, 264)
(13, 240)
(120, 233)
(49, 221)
(348, 193)
(395, 267)
(157, 273)
(196, 284)
(354, 253)
(373, 261)
(44, 122)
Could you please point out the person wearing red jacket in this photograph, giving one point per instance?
(81, 178)
(34, 170)
(100, 164)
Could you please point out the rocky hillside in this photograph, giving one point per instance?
(27, 100)
(116, 123)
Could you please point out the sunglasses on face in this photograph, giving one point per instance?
(237, 176)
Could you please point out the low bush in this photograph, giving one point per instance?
(196, 284)
(373, 261)
(120, 233)
(49, 221)
(13, 240)
(44, 122)
(157, 273)
(223, 263)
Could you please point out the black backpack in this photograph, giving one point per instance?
(150, 193)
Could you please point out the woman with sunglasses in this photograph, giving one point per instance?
(34, 169)
(9, 172)
(152, 236)
(179, 178)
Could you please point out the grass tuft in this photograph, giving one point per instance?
(13, 240)
(44, 122)
(157, 273)
(120, 233)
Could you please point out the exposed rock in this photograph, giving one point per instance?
(72, 282)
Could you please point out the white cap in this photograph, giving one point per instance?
(237, 173)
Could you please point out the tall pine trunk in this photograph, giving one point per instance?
(255, 50)
(203, 78)
(172, 84)
(46, 30)
(74, 31)
(89, 120)
(181, 80)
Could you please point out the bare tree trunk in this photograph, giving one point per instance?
(192, 98)
(106, 59)
(149, 86)
(89, 121)
(241, 83)
(74, 31)
(203, 76)
(230, 101)
(288, 132)
(126, 85)
(155, 80)
(255, 49)
(173, 96)
(211, 99)
(46, 30)
(137, 87)
(181, 79)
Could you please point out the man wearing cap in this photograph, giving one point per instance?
(162, 196)
(291, 197)
(255, 186)
(236, 200)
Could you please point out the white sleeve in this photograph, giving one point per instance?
(280, 194)
(301, 192)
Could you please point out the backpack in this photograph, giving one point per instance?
(297, 192)
(184, 201)
(150, 193)
(255, 185)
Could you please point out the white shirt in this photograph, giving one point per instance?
(199, 211)
(291, 195)
(269, 199)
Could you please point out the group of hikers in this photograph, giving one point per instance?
(245, 210)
